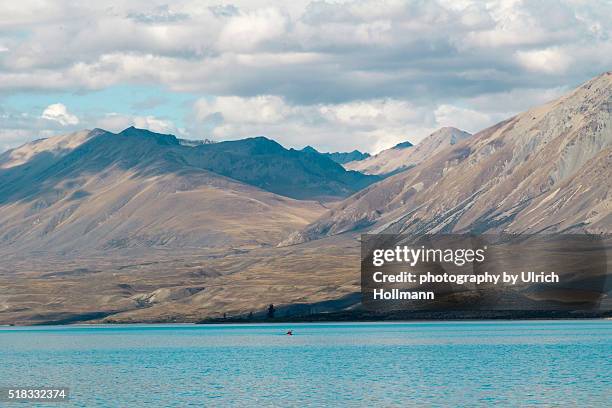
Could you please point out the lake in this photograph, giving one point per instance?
(510, 363)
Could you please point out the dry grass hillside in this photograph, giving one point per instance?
(127, 234)
(405, 156)
(545, 170)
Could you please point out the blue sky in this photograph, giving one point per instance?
(127, 99)
(336, 75)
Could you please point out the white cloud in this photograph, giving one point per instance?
(116, 122)
(550, 60)
(58, 112)
(19, 127)
(156, 125)
(263, 109)
(10, 138)
(369, 125)
(305, 51)
(246, 31)
(340, 74)
(462, 118)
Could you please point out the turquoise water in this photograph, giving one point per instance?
(556, 363)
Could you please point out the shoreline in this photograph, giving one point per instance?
(419, 316)
(321, 323)
(354, 317)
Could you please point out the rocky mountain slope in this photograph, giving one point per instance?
(44, 150)
(266, 164)
(545, 170)
(138, 190)
(138, 230)
(404, 155)
(340, 157)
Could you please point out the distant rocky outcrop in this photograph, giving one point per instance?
(192, 143)
(406, 155)
(340, 157)
(264, 163)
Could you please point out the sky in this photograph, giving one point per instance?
(336, 75)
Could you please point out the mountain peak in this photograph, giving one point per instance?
(159, 138)
(544, 170)
(339, 157)
(604, 76)
(310, 149)
(52, 147)
(403, 145)
(258, 145)
(97, 131)
(448, 129)
(445, 135)
(261, 140)
(600, 85)
(133, 130)
(404, 155)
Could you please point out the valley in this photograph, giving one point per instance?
(138, 226)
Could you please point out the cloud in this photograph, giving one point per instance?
(18, 128)
(462, 118)
(116, 122)
(368, 125)
(247, 31)
(10, 138)
(58, 112)
(356, 73)
(550, 60)
(263, 109)
(149, 103)
(160, 14)
(308, 52)
(21, 127)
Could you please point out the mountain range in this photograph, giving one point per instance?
(340, 157)
(544, 170)
(405, 155)
(141, 226)
(137, 189)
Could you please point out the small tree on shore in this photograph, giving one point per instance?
(271, 311)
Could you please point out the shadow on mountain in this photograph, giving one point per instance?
(256, 161)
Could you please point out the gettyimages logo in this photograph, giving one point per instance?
(485, 272)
